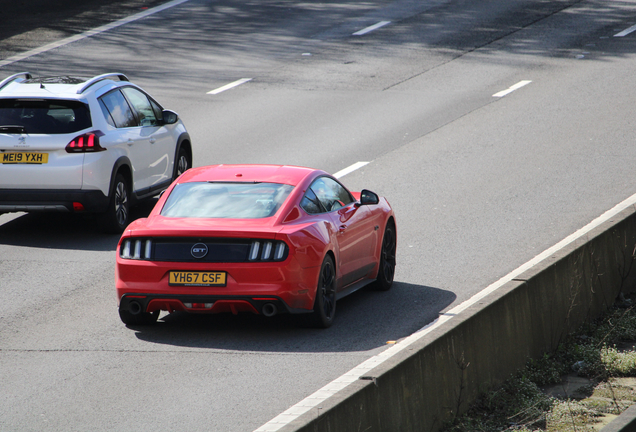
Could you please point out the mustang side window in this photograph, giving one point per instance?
(310, 203)
(331, 194)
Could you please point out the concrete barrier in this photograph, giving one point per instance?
(626, 422)
(442, 373)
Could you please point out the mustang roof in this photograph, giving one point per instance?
(285, 174)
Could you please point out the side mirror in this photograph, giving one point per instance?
(169, 117)
(367, 197)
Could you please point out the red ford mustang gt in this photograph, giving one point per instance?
(264, 239)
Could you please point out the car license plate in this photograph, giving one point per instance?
(24, 158)
(183, 278)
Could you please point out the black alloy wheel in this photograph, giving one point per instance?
(183, 162)
(386, 271)
(117, 216)
(325, 302)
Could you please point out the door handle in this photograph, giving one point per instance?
(342, 228)
(130, 142)
(152, 140)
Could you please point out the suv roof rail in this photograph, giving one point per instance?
(95, 80)
(6, 81)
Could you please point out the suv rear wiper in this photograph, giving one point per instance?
(13, 129)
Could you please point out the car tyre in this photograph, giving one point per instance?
(325, 302)
(386, 272)
(117, 216)
(182, 163)
(142, 318)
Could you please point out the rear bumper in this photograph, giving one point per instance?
(32, 200)
(205, 304)
(249, 286)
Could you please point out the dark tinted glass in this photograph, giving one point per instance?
(107, 116)
(45, 116)
(331, 194)
(119, 109)
(157, 109)
(141, 104)
(310, 203)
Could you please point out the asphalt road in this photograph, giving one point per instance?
(480, 184)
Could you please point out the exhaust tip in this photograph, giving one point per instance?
(134, 308)
(269, 309)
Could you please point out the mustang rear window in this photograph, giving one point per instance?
(38, 116)
(226, 200)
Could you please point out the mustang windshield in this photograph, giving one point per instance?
(226, 200)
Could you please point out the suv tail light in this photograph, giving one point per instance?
(86, 143)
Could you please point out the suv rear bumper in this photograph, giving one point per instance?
(33, 200)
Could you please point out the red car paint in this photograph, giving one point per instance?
(352, 235)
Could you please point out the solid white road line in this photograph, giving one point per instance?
(371, 28)
(511, 89)
(229, 86)
(89, 33)
(349, 169)
(626, 31)
(364, 368)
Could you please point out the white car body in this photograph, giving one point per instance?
(149, 148)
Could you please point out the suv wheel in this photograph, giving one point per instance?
(117, 216)
(183, 163)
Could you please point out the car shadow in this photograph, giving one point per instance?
(67, 231)
(364, 320)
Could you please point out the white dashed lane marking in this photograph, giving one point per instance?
(371, 28)
(229, 86)
(626, 31)
(350, 169)
(90, 33)
(511, 89)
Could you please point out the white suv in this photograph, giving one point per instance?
(85, 145)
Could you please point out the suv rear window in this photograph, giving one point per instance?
(50, 117)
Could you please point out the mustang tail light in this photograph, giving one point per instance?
(86, 143)
(137, 249)
(266, 250)
(147, 249)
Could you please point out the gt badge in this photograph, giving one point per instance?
(199, 250)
